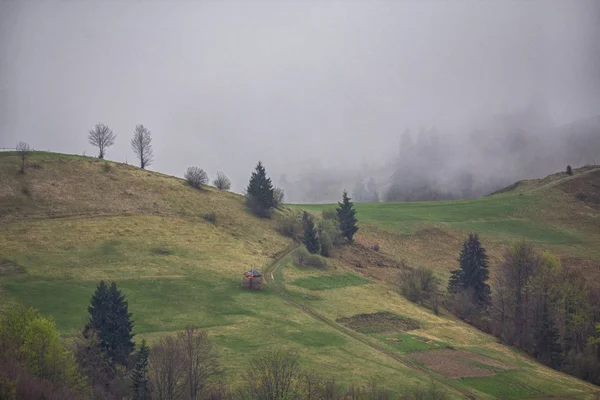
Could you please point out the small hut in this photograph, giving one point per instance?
(252, 280)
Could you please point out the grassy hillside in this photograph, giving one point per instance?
(71, 221)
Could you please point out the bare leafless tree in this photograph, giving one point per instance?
(200, 361)
(167, 370)
(273, 375)
(101, 137)
(222, 182)
(142, 145)
(278, 196)
(196, 177)
(23, 150)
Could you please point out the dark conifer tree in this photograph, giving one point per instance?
(347, 217)
(110, 318)
(455, 281)
(473, 272)
(310, 237)
(260, 192)
(139, 377)
(569, 170)
(547, 341)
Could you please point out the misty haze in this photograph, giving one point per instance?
(321, 91)
(299, 199)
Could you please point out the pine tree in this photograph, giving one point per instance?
(569, 170)
(473, 272)
(455, 281)
(310, 237)
(347, 217)
(140, 374)
(547, 341)
(110, 318)
(260, 192)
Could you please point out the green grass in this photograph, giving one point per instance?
(506, 385)
(144, 230)
(327, 282)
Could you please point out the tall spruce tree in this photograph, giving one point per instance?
(260, 192)
(473, 271)
(110, 318)
(310, 237)
(547, 341)
(141, 390)
(347, 217)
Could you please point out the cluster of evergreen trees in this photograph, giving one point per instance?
(321, 239)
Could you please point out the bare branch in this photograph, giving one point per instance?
(222, 182)
(196, 177)
(101, 137)
(23, 151)
(142, 145)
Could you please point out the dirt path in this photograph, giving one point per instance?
(279, 286)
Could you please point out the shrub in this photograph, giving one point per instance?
(290, 226)
(569, 170)
(222, 182)
(210, 216)
(418, 285)
(329, 236)
(329, 214)
(196, 177)
(25, 190)
(278, 196)
(305, 259)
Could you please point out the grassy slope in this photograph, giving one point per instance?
(430, 234)
(83, 222)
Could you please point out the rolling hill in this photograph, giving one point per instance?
(71, 221)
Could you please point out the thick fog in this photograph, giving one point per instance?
(415, 99)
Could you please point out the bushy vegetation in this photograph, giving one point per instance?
(210, 217)
(196, 177)
(34, 361)
(419, 285)
(222, 182)
(278, 197)
(290, 225)
(310, 237)
(305, 259)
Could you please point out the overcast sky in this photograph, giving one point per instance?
(222, 84)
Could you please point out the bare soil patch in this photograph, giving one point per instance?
(381, 322)
(362, 256)
(456, 364)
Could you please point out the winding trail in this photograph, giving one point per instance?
(279, 286)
